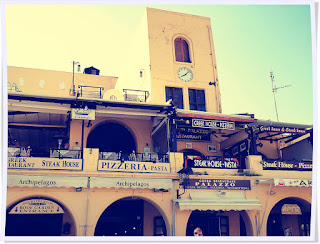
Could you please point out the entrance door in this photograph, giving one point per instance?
(210, 224)
(34, 224)
(122, 218)
(34, 217)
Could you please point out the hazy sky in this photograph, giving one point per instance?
(249, 40)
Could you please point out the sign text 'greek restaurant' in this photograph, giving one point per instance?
(44, 163)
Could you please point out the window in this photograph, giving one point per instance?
(197, 100)
(159, 226)
(181, 48)
(176, 95)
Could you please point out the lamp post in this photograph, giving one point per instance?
(72, 89)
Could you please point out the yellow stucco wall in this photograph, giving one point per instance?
(164, 27)
(29, 81)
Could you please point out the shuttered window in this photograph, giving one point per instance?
(181, 50)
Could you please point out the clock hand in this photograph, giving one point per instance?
(185, 74)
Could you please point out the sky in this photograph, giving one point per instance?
(249, 41)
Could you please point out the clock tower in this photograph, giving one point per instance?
(182, 61)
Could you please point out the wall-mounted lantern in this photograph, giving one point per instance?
(184, 179)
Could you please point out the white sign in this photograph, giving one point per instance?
(44, 163)
(132, 166)
(292, 182)
(101, 182)
(215, 124)
(37, 206)
(83, 113)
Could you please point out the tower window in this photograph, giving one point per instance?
(197, 100)
(176, 95)
(181, 48)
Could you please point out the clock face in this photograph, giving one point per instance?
(185, 74)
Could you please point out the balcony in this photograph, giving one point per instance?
(135, 95)
(90, 91)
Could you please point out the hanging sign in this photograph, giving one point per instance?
(219, 184)
(37, 206)
(292, 182)
(292, 209)
(83, 113)
(133, 166)
(286, 165)
(218, 163)
(284, 129)
(214, 124)
(193, 134)
(44, 163)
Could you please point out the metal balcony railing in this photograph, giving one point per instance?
(90, 91)
(138, 157)
(135, 95)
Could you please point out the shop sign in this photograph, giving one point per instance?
(101, 182)
(225, 163)
(133, 166)
(193, 134)
(46, 181)
(282, 129)
(219, 184)
(285, 165)
(37, 206)
(291, 209)
(83, 113)
(213, 124)
(292, 182)
(44, 163)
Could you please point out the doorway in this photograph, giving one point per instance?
(131, 216)
(112, 137)
(290, 216)
(34, 217)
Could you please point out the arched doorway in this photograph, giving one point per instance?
(111, 137)
(39, 217)
(218, 223)
(290, 216)
(131, 217)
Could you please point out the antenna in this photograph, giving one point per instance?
(274, 90)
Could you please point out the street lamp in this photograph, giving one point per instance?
(73, 64)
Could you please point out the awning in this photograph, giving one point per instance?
(100, 182)
(225, 201)
(46, 181)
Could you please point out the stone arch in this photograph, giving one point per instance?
(67, 209)
(276, 217)
(153, 202)
(123, 127)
